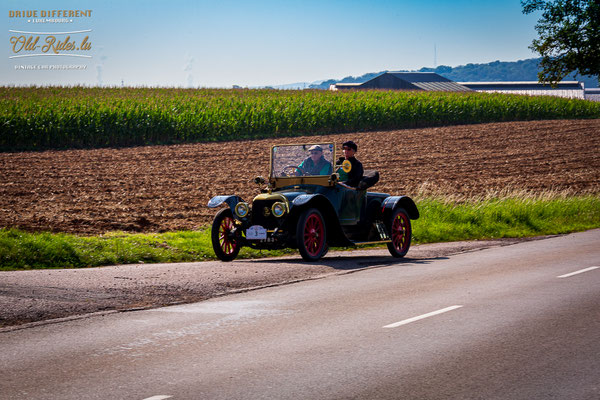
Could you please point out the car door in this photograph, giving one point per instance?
(351, 204)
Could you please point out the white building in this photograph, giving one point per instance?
(568, 89)
(592, 94)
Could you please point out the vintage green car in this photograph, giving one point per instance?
(304, 205)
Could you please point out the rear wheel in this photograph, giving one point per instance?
(311, 235)
(400, 233)
(225, 240)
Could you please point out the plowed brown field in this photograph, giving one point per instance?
(163, 188)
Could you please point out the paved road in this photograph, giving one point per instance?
(37, 296)
(516, 322)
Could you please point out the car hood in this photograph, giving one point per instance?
(290, 196)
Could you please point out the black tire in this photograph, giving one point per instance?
(311, 235)
(325, 251)
(225, 243)
(400, 233)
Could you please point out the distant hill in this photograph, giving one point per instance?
(496, 71)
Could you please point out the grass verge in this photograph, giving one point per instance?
(442, 219)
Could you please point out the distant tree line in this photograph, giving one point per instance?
(497, 71)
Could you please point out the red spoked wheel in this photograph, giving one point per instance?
(400, 233)
(225, 238)
(311, 235)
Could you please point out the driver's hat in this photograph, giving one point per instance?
(315, 147)
(351, 145)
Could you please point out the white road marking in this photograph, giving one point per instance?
(159, 397)
(581, 271)
(431, 314)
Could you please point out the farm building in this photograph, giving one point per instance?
(569, 89)
(592, 94)
(420, 81)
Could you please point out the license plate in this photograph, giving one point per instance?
(256, 232)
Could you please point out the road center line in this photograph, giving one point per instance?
(431, 314)
(159, 397)
(581, 271)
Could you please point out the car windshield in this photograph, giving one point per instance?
(302, 160)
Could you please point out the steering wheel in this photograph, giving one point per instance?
(290, 170)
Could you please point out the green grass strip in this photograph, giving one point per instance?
(21, 250)
(444, 221)
(441, 220)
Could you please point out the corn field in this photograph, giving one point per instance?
(39, 118)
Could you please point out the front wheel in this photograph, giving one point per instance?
(311, 236)
(400, 233)
(225, 238)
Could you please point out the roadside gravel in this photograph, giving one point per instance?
(45, 296)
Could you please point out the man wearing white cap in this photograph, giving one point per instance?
(315, 163)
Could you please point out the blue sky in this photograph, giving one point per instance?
(224, 43)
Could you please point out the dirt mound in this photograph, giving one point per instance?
(164, 188)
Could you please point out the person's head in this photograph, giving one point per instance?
(349, 148)
(316, 152)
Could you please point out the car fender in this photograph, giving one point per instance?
(393, 202)
(335, 234)
(230, 200)
(303, 199)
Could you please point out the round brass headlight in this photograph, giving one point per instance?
(278, 209)
(242, 209)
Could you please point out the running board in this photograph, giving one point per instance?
(375, 242)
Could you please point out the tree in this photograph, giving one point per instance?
(569, 37)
